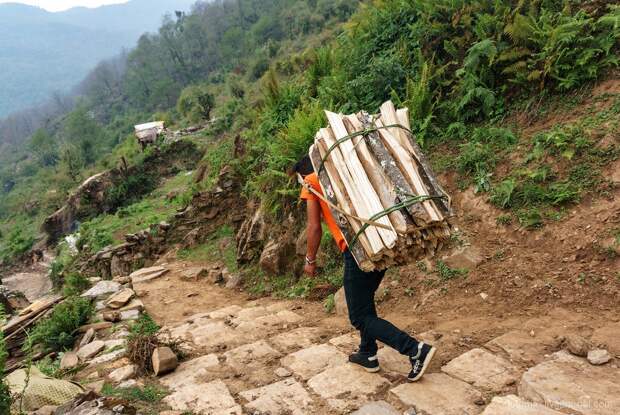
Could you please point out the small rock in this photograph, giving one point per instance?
(190, 295)
(194, 273)
(134, 304)
(215, 276)
(46, 410)
(120, 298)
(532, 333)
(69, 361)
(93, 375)
(121, 279)
(484, 296)
(91, 350)
(112, 316)
(88, 337)
(233, 281)
(577, 345)
(341, 303)
(282, 372)
(122, 373)
(131, 383)
(96, 387)
(164, 361)
(102, 288)
(599, 356)
(130, 315)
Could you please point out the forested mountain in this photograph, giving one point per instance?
(43, 52)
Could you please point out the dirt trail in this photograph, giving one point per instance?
(33, 282)
(289, 357)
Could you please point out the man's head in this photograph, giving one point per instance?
(303, 167)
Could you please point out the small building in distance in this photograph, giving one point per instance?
(147, 133)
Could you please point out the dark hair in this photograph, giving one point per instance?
(304, 166)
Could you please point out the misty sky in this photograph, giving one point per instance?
(58, 5)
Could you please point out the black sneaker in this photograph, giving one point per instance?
(420, 361)
(365, 360)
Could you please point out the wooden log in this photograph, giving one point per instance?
(391, 170)
(335, 196)
(369, 195)
(428, 176)
(409, 170)
(380, 181)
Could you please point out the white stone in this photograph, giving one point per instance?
(483, 370)
(107, 357)
(122, 373)
(88, 337)
(211, 398)
(130, 315)
(102, 288)
(312, 360)
(91, 350)
(438, 393)
(191, 371)
(249, 354)
(599, 356)
(134, 304)
(120, 298)
(147, 274)
(284, 397)
(226, 312)
(513, 405)
(569, 384)
(282, 372)
(347, 385)
(111, 344)
(296, 339)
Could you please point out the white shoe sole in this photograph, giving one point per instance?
(429, 357)
(372, 369)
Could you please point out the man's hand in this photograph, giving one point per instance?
(310, 269)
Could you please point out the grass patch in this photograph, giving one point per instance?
(214, 249)
(446, 273)
(149, 394)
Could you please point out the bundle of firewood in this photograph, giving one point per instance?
(380, 188)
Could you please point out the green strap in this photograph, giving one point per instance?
(404, 204)
(364, 132)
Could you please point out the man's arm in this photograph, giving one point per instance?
(314, 233)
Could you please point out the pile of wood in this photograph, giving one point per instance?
(381, 170)
(15, 331)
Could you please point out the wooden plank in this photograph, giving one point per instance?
(335, 196)
(367, 192)
(390, 168)
(381, 183)
(351, 187)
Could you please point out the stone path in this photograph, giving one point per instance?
(264, 360)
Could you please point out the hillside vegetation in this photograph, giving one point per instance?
(265, 70)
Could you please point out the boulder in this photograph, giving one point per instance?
(69, 361)
(164, 361)
(121, 298)
(276, 255)
(90, 350)
(468, 257)
(194, 273)
(250, 237)
(102, 288)
(112, 316)
(215, 276)
(130, 315)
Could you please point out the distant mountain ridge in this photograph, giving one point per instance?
(42, 52)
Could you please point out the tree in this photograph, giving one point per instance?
(196, 103)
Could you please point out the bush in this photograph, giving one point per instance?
(196, 103)
(58, 332)
(75, 284)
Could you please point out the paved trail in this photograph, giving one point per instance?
(269, 357)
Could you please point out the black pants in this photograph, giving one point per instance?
(359, 290)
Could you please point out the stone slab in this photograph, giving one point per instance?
(147, 274)
(226, 312)
(377, 408)
(191, 370)
(250, 314)
(91, 350)
(123, 373)
(102, 288)
(347, 342)
(439, 394)
(216, 333)
(392, 361)
(119, 299)
(483, 370)
(296, 339)
(513, 405)
(520, 346)
(249, 354)
(568, 383)
(211, 398)
(107, 357)
(346, 387)
(310, 361)
(284, 397)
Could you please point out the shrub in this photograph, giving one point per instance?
(59, 330)
(196, 103)
(75, 284)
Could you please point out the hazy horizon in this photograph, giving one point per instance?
(62, 5)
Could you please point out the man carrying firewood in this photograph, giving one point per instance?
(359, 287)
